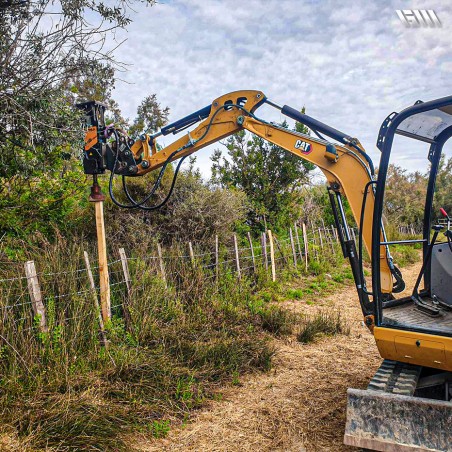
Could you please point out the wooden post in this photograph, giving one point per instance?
(35, 295)
(272, 254)
(125, 304)
(125, 268)
(336, 234)
(237, 260)
(305, 243)
(104, 279)
(321, 238)
(292, 244)
(192, 254)
(298, 241)
(162, 265)
(264, 250)
(331, 235)
(103, 335)
(217, 269)
(252, 251)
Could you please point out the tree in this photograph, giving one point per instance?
(150, 116)
(51, 56)
(269, 175)
(443, 192)
(404, 196)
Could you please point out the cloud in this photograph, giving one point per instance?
(350, 64)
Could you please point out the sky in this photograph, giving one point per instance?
(350, 64)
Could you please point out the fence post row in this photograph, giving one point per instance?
(103, 310)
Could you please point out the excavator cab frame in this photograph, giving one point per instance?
(422, 321)
(407, 405)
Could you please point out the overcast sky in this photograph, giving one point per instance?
(349, 63)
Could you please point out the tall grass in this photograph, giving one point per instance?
(62, 390)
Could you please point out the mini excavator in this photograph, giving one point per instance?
(407, 405)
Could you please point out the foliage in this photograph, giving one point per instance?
(404, 194)
(268, 175)
(51, 56)
(150, 116)
(195, 212)
(443, 193)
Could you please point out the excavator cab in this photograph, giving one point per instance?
(408, 403)
(427, 307)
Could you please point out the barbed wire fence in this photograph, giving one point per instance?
(36, 302)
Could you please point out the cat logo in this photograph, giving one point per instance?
(303, 146)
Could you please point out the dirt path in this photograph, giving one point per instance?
(298, 406)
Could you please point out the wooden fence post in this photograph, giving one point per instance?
(336, 234)
(237, 260)
(125, 268)
(305, 243)
(92, 285)
(162, 265)
(264, 250)
(192, 255)
(252, 251)
(272, 254)
(104, 279)
(217, 269)
(298, 241)
(331, 235)
(125, 305)
(321, 238)
(292, 244)
(35, 295)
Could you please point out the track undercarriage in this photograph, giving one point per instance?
(405, 408)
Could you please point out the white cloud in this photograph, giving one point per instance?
(349, 64)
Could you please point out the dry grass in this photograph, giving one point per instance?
(300, 405)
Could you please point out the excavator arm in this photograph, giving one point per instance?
(346, 166)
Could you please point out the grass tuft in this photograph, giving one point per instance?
(322, 324)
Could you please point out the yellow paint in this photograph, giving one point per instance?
(414, 348)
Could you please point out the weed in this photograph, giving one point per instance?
(160, 429)
(322, 324)
(296, 294)
(277, 320)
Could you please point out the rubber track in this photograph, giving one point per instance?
(396, 378)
